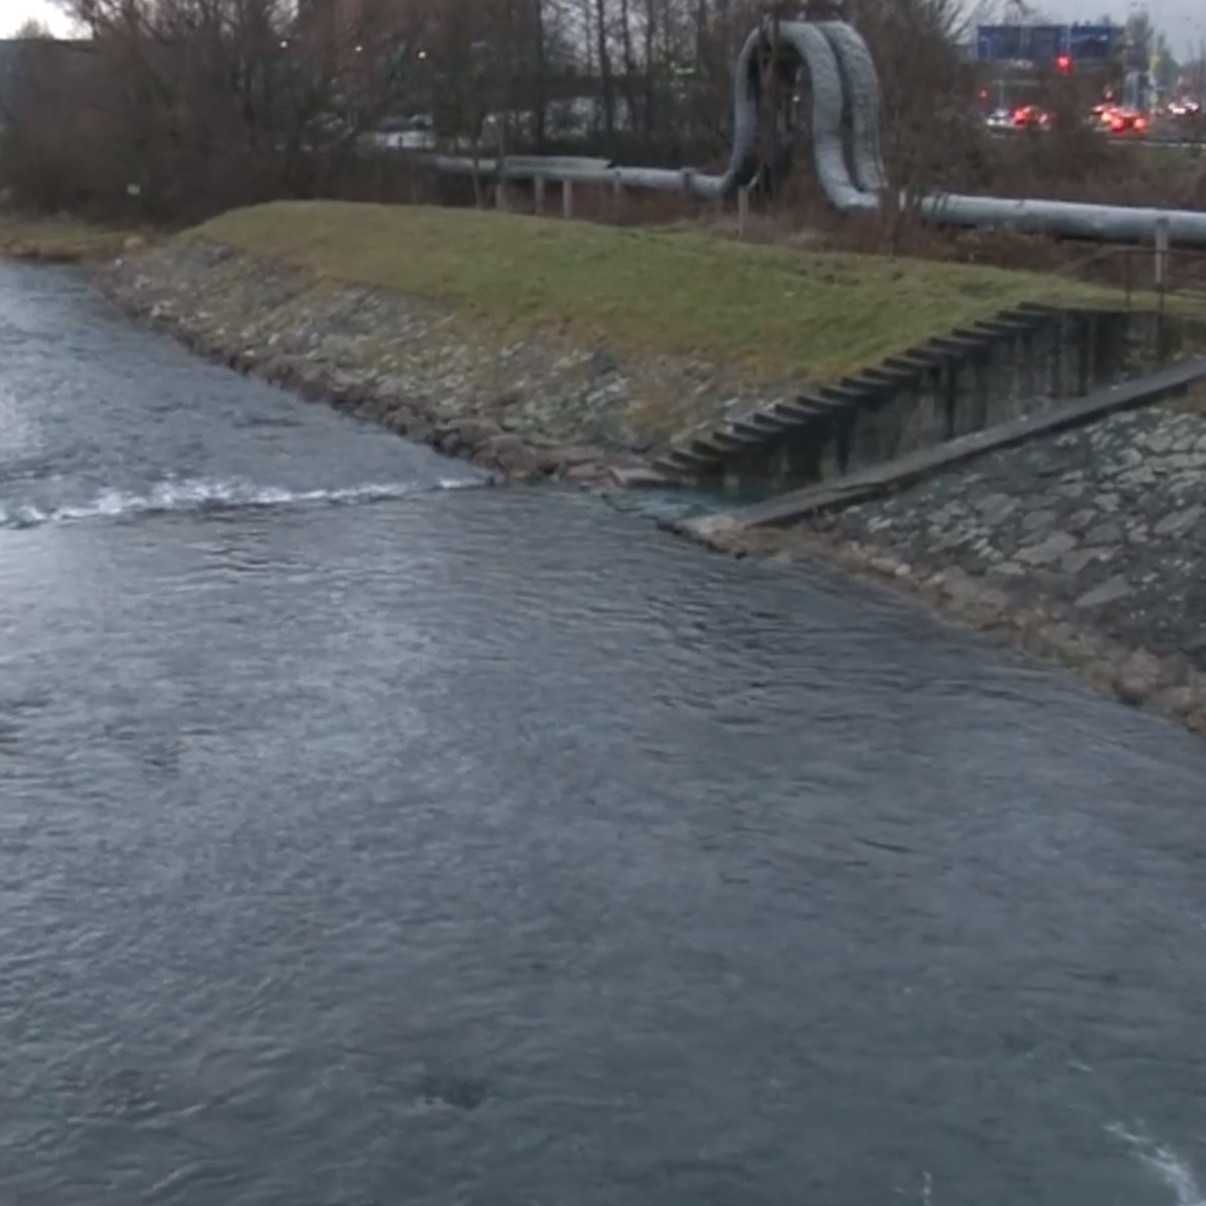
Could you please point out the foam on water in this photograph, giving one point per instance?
(1164, 1162)
(211, 493)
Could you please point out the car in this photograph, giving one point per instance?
(999, 119)
(1126, 122)
(1184, 107)
(1031, 117)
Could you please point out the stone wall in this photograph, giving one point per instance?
(521, 406)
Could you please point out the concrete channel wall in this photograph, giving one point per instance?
(961, 384)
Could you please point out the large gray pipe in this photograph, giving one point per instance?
(832, 60)
(846, 153)
(1107, 223)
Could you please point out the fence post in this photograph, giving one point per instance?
(567, 199)
(743, 209)
(617, 194)
(538, 195)
(500, 186)
(1161, 254)
(1161, 285)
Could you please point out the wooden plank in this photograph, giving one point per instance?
(845, 395)
(707, 446)
(770, 422)
(828, 406)
(734, 443)
(917, 364)
(746, 427)
(798, 412)
(892, 377)
(965, 346)
(1000, 327)
(897, 474)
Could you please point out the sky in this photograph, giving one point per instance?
(1184, 21)
(14, 14)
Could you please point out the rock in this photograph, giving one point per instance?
(1139, 677)
(1175, 701)
(996, 508)
(1051, 549)
(474, 433)
(567, 456)
(1073, 563)
(1179, 521)
(630, 477)
(1109, 532)
(587, 471)
(348, 390)
(510, 454)
(1110, 591)
(1037, 519)
(134, 243)
(602, 363)
(888, 566)
(312, 383)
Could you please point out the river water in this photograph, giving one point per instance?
(366, 840)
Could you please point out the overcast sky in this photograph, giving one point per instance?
(14, 14)
(1183, 20)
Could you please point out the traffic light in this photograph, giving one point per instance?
(1063, 64)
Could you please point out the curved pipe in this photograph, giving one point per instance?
(861, 84)
(846, 153)
(830, 59)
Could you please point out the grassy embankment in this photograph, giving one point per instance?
(60, 240)
(769, 312)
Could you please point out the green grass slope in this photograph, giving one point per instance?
(771, 312)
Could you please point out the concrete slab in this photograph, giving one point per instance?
(897, 474)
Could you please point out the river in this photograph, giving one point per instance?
(369, 837)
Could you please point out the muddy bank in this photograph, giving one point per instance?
(1088, 549)
(523, 408)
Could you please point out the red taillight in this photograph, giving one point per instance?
(1140, 123)
(1117, 125)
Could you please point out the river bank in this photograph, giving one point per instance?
(1087, 549)
(65, 239)
(1083, 549)
(532, 347)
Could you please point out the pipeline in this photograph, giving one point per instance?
(846, 152)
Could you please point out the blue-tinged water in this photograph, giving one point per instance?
(367, 841)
